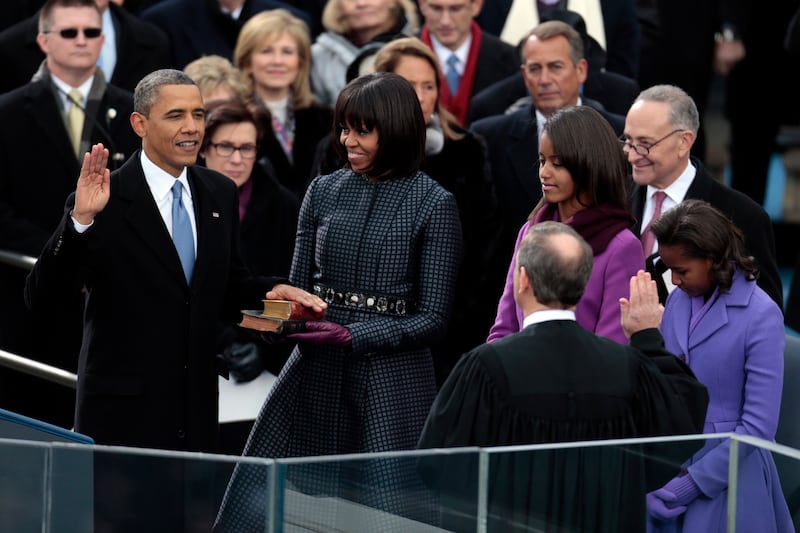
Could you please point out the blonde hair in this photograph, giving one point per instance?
(214, 72)
(269, 26)
(334, 20)
(389, 56)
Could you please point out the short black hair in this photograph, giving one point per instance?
(385, 102)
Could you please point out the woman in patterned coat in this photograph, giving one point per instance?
(381, 243)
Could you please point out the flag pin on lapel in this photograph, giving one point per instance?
(214, 214)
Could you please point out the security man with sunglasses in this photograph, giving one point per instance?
(132, 48)
(47, 125)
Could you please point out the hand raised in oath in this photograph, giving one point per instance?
(641, 310)
(92, 191)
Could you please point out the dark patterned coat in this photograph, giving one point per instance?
(398, 238)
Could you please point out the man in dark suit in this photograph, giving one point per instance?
(156, 244)
(554, 68)
(615, 91)
(137, 47)
(471, 60)
(149, 333)
(38, 165)
(557, 382)
(660, 130)
(207, 27)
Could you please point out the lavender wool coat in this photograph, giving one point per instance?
(736, 351)
(598, 309)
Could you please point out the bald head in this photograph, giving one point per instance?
(557, 262)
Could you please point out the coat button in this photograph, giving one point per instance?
(181, 434)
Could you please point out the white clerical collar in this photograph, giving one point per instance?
(547, 315)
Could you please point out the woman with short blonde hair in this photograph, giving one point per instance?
(274, 52)
(268, 27)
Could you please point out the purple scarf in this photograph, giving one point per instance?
(597, 225)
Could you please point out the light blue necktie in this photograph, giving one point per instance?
(452, 75)
(182, 234)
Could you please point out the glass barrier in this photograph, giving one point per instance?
(767, 481)
(597, 486)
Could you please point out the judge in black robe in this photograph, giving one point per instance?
(557, 382)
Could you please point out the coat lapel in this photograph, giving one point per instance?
(637, 207)
(209, 216)
(43, 107)
(144, 218)
(717, 317)
(714, 319)
(524, 143)
(700, 189)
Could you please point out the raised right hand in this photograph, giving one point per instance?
(93, 188)
(642, 310)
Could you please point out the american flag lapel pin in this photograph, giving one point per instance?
(214, 214)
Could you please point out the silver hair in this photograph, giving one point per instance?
(682, 109)
(147, 90)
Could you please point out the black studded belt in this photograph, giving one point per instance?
(377, 303)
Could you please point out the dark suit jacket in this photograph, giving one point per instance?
(197, 27)
(38, 170)
(141, 49)
(39, 167)
(748, 216)
(496, 60)
(147, 369)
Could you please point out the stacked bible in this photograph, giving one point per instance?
(279, 316)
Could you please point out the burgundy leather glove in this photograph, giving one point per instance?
(324, 332)
(670, 501)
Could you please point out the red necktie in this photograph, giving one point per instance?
(648, 239)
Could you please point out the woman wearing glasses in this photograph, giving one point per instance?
(583, 174)
(268, 220)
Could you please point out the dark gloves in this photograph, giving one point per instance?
(670, 501)
(243, 360)
(324, 332)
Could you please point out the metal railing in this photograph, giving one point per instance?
(17, 259)
(40, 370)
(24, 364)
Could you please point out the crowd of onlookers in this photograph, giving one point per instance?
(392, 161)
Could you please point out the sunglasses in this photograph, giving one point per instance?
(71, 33)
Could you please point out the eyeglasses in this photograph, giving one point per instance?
(247, 151)
(641, 149)
(71, 33)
